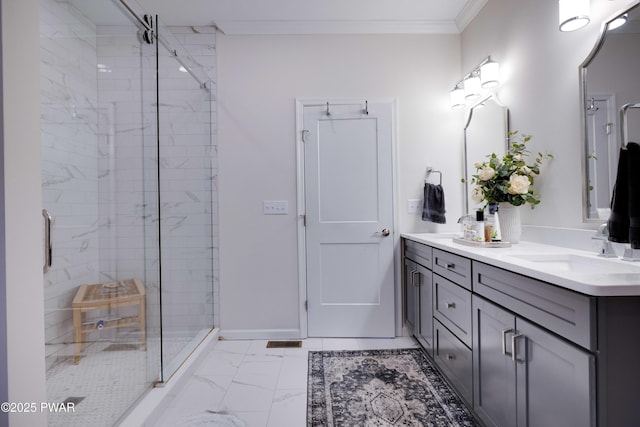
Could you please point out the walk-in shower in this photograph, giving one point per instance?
(129, 202)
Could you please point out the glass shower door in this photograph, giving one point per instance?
(100, 200)
(186, 201)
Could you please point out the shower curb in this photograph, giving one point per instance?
(150, 407)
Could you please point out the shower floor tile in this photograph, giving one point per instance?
(107, 381)
(102, 386)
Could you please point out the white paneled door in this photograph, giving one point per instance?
(348, 173)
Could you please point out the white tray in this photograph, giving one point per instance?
(461, 241)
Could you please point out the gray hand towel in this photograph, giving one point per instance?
(618, 223)
(633, 183)
(433, 208)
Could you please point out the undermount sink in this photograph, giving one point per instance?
(578, 264)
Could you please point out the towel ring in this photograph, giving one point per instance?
(429, 172)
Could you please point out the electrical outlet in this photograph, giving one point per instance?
(413, 206)
(275, 207)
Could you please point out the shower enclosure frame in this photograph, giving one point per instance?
(168, 216)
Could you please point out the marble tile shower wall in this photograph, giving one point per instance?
(69, 155)
(99, 170)
(188, 171)
(188, 163)
(127, 163)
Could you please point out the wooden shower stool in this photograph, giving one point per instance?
(105, 296)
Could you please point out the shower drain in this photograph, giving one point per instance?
(74, 400)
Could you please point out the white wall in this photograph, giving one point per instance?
(539, 66)
(259, 78)
(23, 199)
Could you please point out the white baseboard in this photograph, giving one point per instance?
(259, 334)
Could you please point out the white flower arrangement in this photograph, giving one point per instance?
(508, 179)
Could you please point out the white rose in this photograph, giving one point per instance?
(518, 184)
(478, 165)
(486, 173)
(525, 170)
(476, 195)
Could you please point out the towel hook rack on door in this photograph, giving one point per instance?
(430, 170)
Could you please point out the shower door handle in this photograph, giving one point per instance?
(48, 251)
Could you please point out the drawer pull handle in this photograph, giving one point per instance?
(504, 341)
(449, 266)
(514, 348)
(415, 277)
(451, 356)
(451, 305)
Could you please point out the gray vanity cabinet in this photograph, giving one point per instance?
(494, 376)
(522, 351)
(527, 376)
(452, 320)
(555, 379)
(411, 290)
(418, 293)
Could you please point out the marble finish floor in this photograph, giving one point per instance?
(263, 387)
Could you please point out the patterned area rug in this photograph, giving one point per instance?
(380, 388)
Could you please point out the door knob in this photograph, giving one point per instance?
(385, 232)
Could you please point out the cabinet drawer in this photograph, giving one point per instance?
(454, 359)
(452, 307)
(453, 267)
(568, 314)
(422, 254)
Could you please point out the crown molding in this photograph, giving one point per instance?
(336, 27)
(466, 15)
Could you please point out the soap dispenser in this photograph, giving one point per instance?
(479, 237)
(496, 234)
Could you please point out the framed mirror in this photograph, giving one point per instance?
(610, 95)
(485, 132)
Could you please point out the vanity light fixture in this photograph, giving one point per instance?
(457, 98)
(473, 85)
(573, 14)
(490, 74)
(618, 22)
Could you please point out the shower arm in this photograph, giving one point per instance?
(623, 122)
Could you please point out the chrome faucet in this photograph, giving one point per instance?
(466, 218)
(606, 250)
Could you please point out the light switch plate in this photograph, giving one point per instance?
(413, 206)
(275, 207)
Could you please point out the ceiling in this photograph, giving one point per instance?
(319, 16)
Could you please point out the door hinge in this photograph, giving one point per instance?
(306, 305)
(304, 133)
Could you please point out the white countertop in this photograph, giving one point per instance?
(598, 277)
